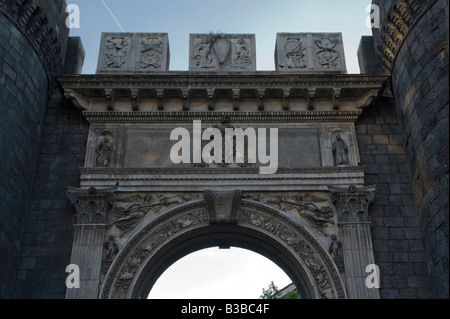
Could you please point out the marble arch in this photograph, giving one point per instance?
(189, 227)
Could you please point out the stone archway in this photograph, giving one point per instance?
(199, 224)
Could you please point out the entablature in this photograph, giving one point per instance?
(205, 92)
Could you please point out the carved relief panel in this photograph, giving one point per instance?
(310, 52)
(133, 53)
(314, 210)
(222, 52)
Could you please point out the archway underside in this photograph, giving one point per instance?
(189, 227)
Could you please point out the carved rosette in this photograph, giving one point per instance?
(353, 204)
(91, 205)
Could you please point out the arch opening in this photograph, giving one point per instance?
(219, 273)
(221, 235)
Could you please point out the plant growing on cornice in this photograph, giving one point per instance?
(214, 36)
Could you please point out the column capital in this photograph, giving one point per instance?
(353, 203)
(91, 205)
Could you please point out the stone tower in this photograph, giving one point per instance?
(412, 45)
(34, 41)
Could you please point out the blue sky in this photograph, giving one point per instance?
(264, 18)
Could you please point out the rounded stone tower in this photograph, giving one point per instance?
(413, 45)
(33, 40)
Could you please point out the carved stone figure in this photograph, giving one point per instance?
(203, 57)
(317, 217)
(128, 216)
(335, 247)
(116, 52)
(111, 248)
(104, 152)
(340, 151)
(242, 57)
(327, 55)
(295, 56)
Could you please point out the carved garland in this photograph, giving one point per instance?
(134, 255)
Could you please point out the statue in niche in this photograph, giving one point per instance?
(203, 57)
(327, 55)
(116, 52)
(151, 51)
(295, 56)
(242, 56)
(104, 152)
(340, 152)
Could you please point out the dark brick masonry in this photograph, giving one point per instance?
(23, 99)
(47, 240)
(397, 241)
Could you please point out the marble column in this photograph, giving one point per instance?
(91, 218)
(357, 250)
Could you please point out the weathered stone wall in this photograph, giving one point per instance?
(419, 66)
(33, 40)
(23, 98)
(398, 244)
(47, 241)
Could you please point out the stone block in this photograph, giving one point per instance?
(222, 52)
(310, 53)
(133, 53)
(367, 56)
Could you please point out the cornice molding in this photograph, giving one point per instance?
(220, 80)
(90, 92)
(264, 117)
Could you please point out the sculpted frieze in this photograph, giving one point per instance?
(310, 208)
(130, 210)
(222, 52)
